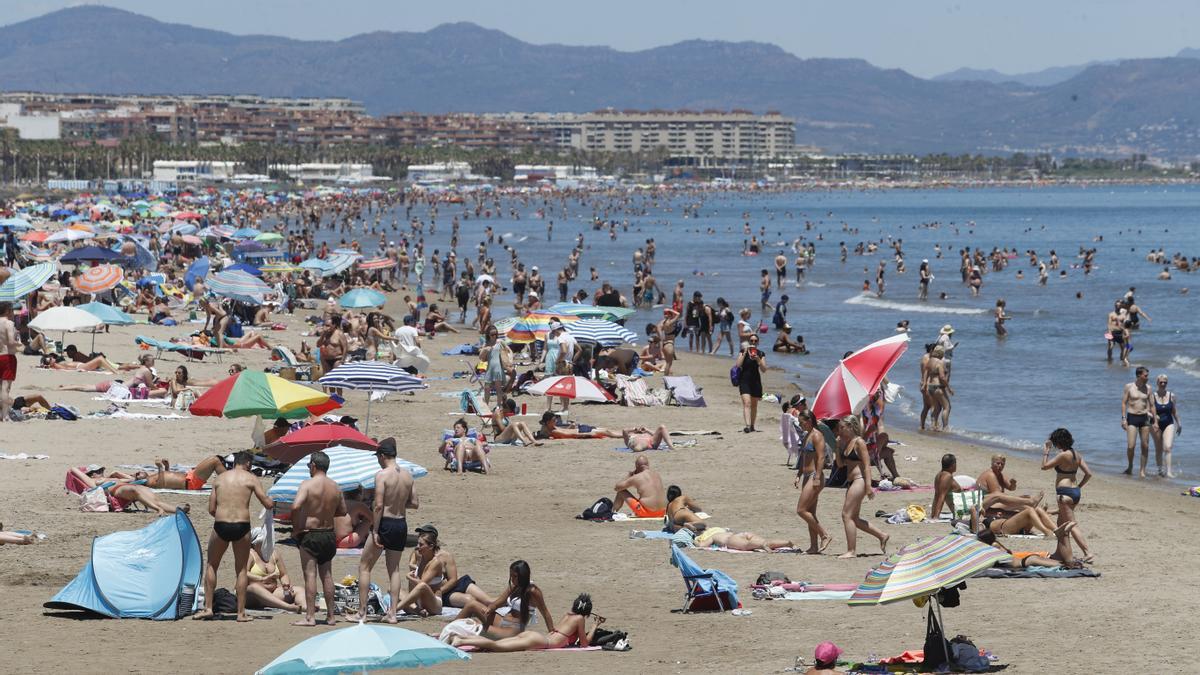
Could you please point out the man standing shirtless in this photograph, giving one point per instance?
(1136, 417)
(10, 346)
(318, 503)
(651, 500)
(229, 505)
(394, 495)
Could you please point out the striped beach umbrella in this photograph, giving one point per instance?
(360, 298)
(319, 266)
(534, 326)
(340, 262)
(925, 567)
(69, 235)
(238, 285)
(376, 264)
(592, 311)
(350, 468)
(99, 278)
(371, 376)
(25, 281)
(573, 387)
(857, 378)
(504, 325)
(256, 393)
(600, 332)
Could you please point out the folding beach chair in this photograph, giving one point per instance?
(964, 502)
(288, 359)
(190, 352)
(632, 392)
(685, 392)
(705, 590)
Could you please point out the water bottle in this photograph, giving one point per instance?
(187, 601)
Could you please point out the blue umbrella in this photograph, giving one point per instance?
(371, 376)
(25, 281)
(88, 254)
(350, 468)
(318, 265)
(600, 332)
(107, 313)
(243, 267)
(237, 285)
(197, 271)
(245, 233)
(363, 647)
(360, 298)
(15, 223)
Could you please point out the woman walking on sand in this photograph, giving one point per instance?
(810, 478)
(852, 454)
(751, 364)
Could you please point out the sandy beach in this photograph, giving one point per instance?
(1140, 533)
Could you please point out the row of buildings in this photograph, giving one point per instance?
(691, 137)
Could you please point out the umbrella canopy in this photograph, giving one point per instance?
(534, 326)
(593, 311)
(340, 262)
(243, 267)
(363, 647)
(15, 224)
(319, 266)
(69, 234)
(350, 468)
(278, 267)
(600, 332)
(269, 237)
(237, 285)
(371, 376)
(572, 387)
(68, 319)
(107, 313)
(362, 297)
(88, 254)
(257, 393)
(245, 233)
(315, 437)
(857, 378)
(25, 281)
(376, 264)
(99, 278)
(924, 567)
(196, 271)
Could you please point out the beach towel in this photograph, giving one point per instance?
(1036, 573)
(805, 587)
(809, 595)
(678, 444)
(22, 455)
(121, 414)
(650, 534)
(461, 350)
(697, 432)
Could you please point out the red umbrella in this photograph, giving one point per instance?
(302, 442)
(857, 377)
(572, 387)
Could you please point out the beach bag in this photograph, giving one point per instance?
(762, 326)
(936, 644)
(463, 627)
(602, 509)
(185, 399)
(224, 601)
(59, 412)
(94, 500)
(234, 330)
(769, 579)
(611, 640)
(735, 376)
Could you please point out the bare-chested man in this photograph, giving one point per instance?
(651, 499)
(229, 504)
(318, 503)
(943, 485)
(194, 478)
(1136, 417)
(937, 385)
(394, 495)
(10, 346)
(1117, 334)
(996, 488)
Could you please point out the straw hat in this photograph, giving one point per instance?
(947, 330)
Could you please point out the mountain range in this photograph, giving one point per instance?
(1142, 105)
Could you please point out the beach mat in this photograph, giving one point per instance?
(1036, 573)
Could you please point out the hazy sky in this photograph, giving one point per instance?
(924, 37)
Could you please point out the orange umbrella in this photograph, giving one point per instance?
(99, 278)
(38, 236)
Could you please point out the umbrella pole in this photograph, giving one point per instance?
(943, 626)
(367, 426)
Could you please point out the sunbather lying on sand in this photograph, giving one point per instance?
(551, 428)
(640, 439)
(1062, 556)
(15, 537)
(56, 362)
(739, 541)
(1030, 518)
(570, 632)
(120, 486)
(194, 478)
(682, 511)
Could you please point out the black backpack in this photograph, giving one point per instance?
(224, 601)
(601, 510)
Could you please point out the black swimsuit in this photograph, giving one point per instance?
(231, 532)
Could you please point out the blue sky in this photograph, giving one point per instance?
(924, 37)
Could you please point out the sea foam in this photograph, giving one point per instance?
(915, 308)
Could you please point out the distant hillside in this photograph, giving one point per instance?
(840, 104)
(1037, 78)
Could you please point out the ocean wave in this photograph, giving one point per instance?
(879, 303)
(1189, 365)
(996, 439)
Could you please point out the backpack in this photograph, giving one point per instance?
(601, 510)
(735, 376)
(59, 412)
(224, 601)
(611, 640)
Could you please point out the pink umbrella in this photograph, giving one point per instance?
(857, 377)
(572, 387)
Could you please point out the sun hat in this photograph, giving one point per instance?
(947, 330)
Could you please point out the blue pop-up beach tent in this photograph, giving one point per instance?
(139, 574)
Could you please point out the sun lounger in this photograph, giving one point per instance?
(684, 392)
(191, 352)
(288, 359)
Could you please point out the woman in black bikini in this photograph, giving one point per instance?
(522, 598)
(1066, 465)
(852, 454)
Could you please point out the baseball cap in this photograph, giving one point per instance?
(428, 528)
(387, 447)
(827, 652)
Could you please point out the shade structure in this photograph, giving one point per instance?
(197, 271)
(350, 468)
(315, 437)
(573, 387)
(25, 281)
(14, 224)
(534, 326)
(360, 298)
(363, 647)
(319, 266)
(600, 332)
(376, 264)
(371, 376)
(252, 270)
(278, 267)
(88, 254)
(99, 278)
(340, 262)
(592, 311)
(925, 567)
(269, 238)
(111, 316)
(857, 377)
(65, 319)
(237, 285)
(69, 235)
(257, 393)
(245, 233)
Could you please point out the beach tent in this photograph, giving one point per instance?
(151, 573)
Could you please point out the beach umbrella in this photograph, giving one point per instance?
(88, 254)
(363, 647)
(25, 281)
(376, 264)
(371, 376)
(186, 215)
(99, 278)
(504, 325)
(600, 332)
(237, 285)
(111, 316)
(484, 277)
(269, 238)
(350, 468)
(360, 298)
(15, 223)
(572, 387)
(243, 267)
(319, 436)
(66, 320)
(534, 326)
(857, 378)
(592, 311)
(69, 235)
(340, 262)
(278, 267)
(197, 271)
(36, 236)
(244, 233)
(192, 240)
(318, 265)
(256, 393)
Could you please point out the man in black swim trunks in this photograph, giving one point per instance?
(394, 495)
(318, 503)
(229, 504)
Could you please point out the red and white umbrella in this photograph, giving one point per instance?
(572, 387)
(857, 377)
(376, 264)
(99, 278)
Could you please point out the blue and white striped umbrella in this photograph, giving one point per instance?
(25, 281)
(350, 468)
(600, 332)
(237, 285)
(371, 376)
(340, 262)
(319, 266)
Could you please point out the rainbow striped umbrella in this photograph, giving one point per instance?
(256, 393)
(534, 326)
(25, 281)
(924, 567)
(376, 264)
(99, 278)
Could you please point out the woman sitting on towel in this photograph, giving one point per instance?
(505, 430)
(270, 586)
(512, 612)
(120, 485)
(463, 446)
(572, 632)
(433, 579)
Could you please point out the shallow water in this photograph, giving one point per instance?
(1049, 372)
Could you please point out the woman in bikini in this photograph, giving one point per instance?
(460, 447)
(126, 491)
(1066, 466)
(433, 579)
(572, 632)
(683, 512)
(1028, 518)
(505, 430)
(668, 330)
(852, 454)
(269, 585)
(512, 612)
(810, 479)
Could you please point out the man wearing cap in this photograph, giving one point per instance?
(826, 655)
(947, 344)
(319, 502)
(394, 495)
